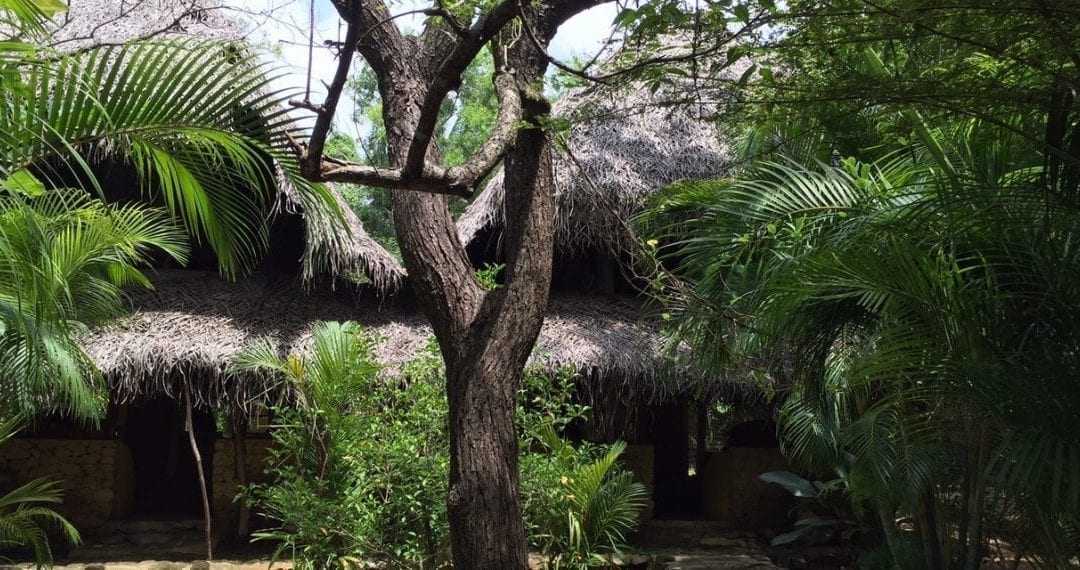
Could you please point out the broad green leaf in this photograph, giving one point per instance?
(23, 182)
(796, 485)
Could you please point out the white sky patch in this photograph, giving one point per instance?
(584, 35)
(281, 28)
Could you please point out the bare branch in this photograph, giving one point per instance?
(436, 181)
(448, 76)
(307, 106)
(312, 159)
(491, 152)
(605, 78)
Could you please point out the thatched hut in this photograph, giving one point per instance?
(623, 145)
(180, 337)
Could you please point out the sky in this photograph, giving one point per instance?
(282, 25)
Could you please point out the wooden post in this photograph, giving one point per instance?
(189, 426)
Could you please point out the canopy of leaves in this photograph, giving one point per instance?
(900, 243)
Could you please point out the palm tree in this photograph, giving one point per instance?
(209, 143)
(197, 123)
(64, 258)
(926, 304)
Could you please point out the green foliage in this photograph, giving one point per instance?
(587, 515)
(826, 509)
(64, 259)
(921, 291)
(360, 465)
(207, 138)
(25, 514)
(926, 301)
(488, 276)
(198, 125)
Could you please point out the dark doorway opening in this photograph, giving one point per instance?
(677, 489)
(166, 479)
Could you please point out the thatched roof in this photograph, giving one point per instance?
(329, 250)
(326, 249)
(193, 323)
(623, 146)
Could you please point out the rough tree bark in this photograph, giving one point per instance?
(485, 336)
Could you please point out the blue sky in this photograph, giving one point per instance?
(283, 25)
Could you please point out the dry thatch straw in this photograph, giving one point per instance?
(623, 146)
(330, 250)
(188, 329)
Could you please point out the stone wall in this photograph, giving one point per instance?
(97, 475)
(226, 485)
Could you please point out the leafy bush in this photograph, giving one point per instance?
(825, 503)
(579, 503)
(586, 517)
(359, 468)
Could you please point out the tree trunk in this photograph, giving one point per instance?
(888, 528)
(486, 357)
(928, 528)
(485, 336)
(485, 515)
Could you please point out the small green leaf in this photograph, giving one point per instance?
(50, 7)
(742, 13)
(626, 17)
(15, 46)
(23, 182)
(746, 75)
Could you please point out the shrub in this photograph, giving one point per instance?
(584, 518)
(359, 468)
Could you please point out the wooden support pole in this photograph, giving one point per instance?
(189, 426)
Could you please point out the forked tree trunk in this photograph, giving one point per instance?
(485, 516)
(485, 351)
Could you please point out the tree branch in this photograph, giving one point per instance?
(311, 162)
(605, 78)
(455, 181)
(489, 154)
(434, 181)
(447, 76)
